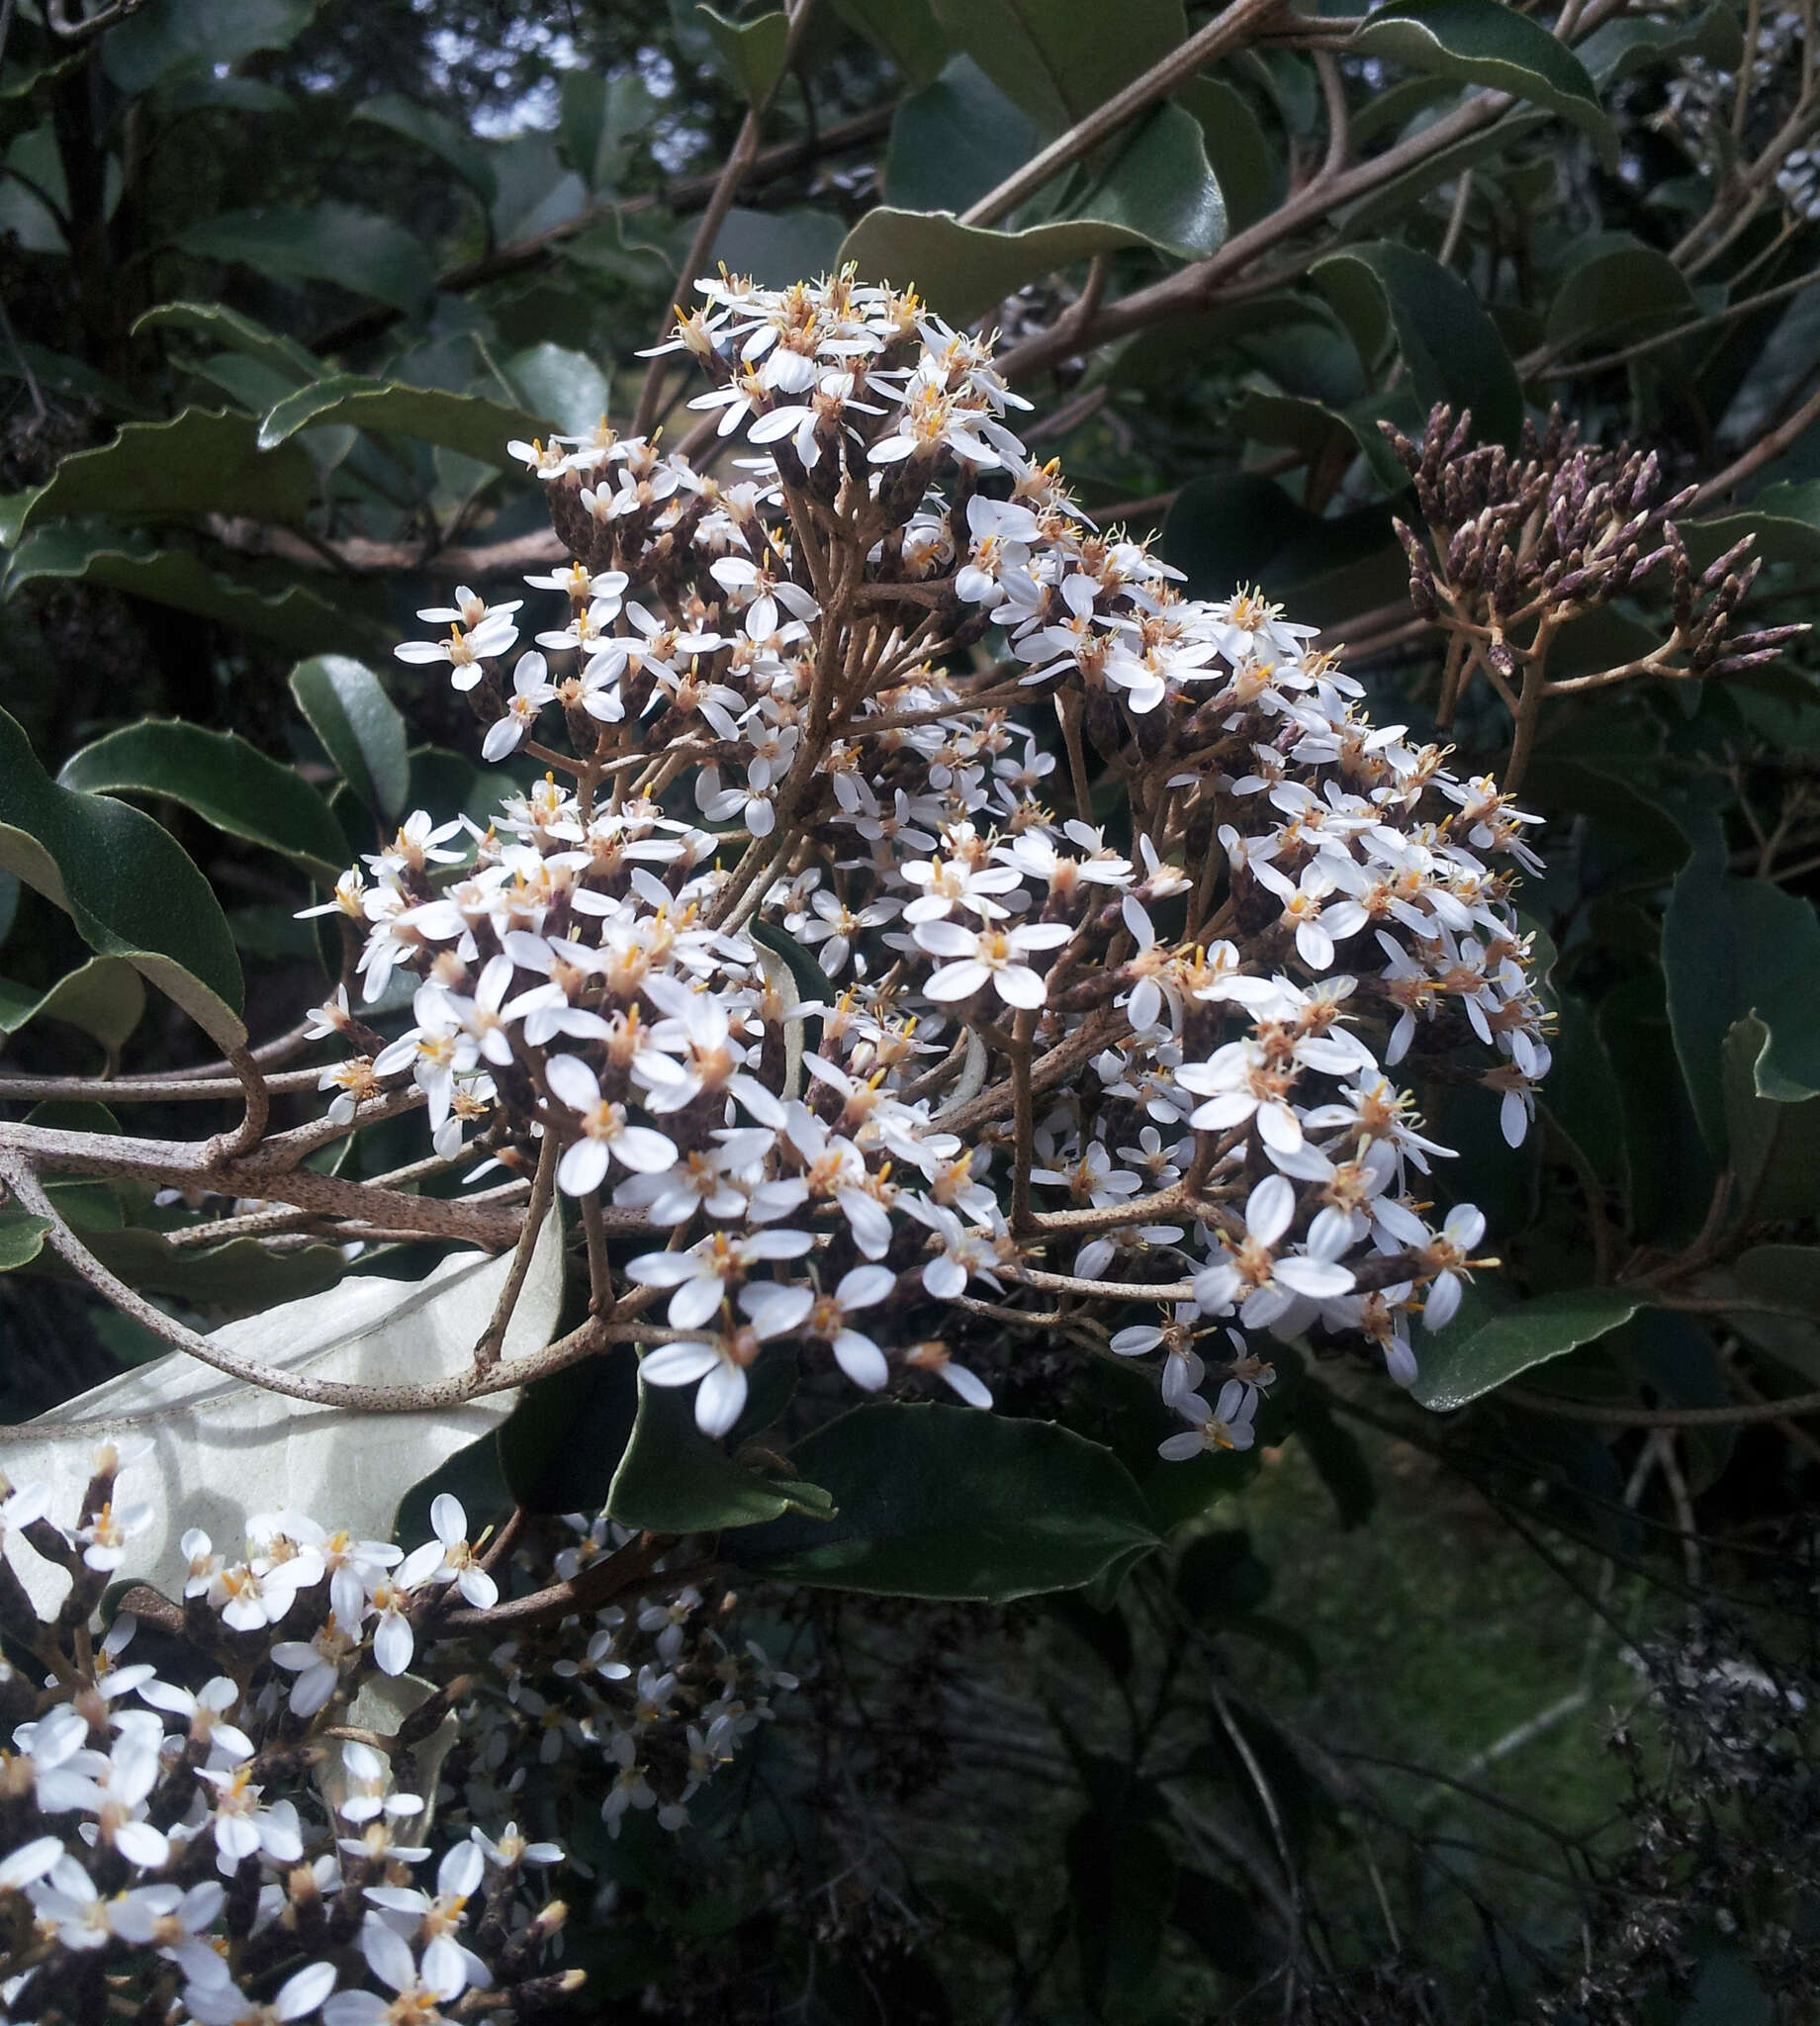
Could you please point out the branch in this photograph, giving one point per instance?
(745, 153)
(1740, 1415)
(1226, 31)
(1760, 453)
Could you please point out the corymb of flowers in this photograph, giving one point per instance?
(931, 930)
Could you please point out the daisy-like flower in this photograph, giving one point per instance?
(605, 1129)
(1227, 1425)
(465, 653)
(993, 956)
(450, 1557)
(1265, 1281)
(531, 691)
(720, 1363)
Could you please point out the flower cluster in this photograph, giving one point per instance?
(842, 1035)
(245, 1809)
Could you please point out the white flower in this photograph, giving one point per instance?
(1268, 1284)
(720, 1363)
(449, 1558)
(531, 691)
(992, 954)
(605, 1126)
(1224, 1425)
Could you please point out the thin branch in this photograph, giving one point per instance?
(745, 153)
(1740, 1415)
(543, 1186)
(1238, 24)
(1760, 453)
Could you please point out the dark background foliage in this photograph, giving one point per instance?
(1487, 1713)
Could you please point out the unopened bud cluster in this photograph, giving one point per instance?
(1517, 544)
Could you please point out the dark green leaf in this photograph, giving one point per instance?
(962, 271)
(359, 727)
(601, 117)
(1247, 172)
(358, 250)
(1488, 43)
(950, 1501)
(469, 422)
(1219, 1577)
(673, 1479)
(559, 386)
(226, 782)
(295, 618)
(233, 331)
(105, 998)
(1449, 345)
(1059, 61)
(123, 881)
(1783, 518)
(1121, 1886)
(955, 140)
(1616, 48)
(468, 158)
(1616, 290)
(22, 1239)
(164, 34)
(1581, 1094)
(1773, 1147)
(1734, 948)
(751, 53)
(1160, 185)
(905, 31)
(202, 461)
(778, 247)
(1336, 1454)
(1242, 529)
(240, 1278)
(1461, 1368)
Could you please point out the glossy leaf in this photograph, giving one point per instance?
(559, 386)
(1732, 948)
(165, 36)
(357, 250)
(778, 247)
(22, 1239)
(222, 778)
(440, 135)
(1618, 47)
(951, 1502)
(673, 1479)
(469, 422)
(1772, 1146)
(125, 882)
(1458, 1366)
(1581, 1097)
(105, 998)
(954, 140)
(295, 617)
(1488, 43)
(359, 727)
(1241, 158)
(225, 1448)
(1449, 346)
(1617, 290)
(233, 331)
(751, 53)
(905, 31)
(202, 461)
(1241, 528)
(238, 1278)
(1059, 61)
(1783, 522)
(1161, 186)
